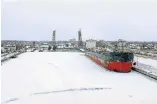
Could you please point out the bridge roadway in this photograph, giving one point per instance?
(46, 77)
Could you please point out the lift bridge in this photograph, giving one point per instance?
(57, 47)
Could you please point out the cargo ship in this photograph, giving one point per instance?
(119, 61)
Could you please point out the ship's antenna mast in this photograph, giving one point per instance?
(121, 44)
(116, 47)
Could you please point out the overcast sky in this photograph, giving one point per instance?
(105, 19)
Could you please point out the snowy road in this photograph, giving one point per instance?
(39, 72)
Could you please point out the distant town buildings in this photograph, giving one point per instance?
(90, 44)
(72, 40)
(3, 50)
(10, 47)
(142, 48)
(44, 46)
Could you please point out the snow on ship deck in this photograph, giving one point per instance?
(43, 72)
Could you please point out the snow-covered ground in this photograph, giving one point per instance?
(146, 61)
(146, 64)
(46, 77)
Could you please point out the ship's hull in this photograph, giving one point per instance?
(111, 65)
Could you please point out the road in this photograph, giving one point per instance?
(46, 73)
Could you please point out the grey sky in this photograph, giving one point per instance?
(108, 20)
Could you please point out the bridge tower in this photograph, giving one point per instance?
(54, 40)
(80, 43)
(54, 37)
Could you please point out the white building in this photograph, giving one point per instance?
(28, 46)
(10, 47)
(90, 44)
(44, 46)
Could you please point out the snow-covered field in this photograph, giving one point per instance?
(146, 64)
(147, 61)
(46, 77)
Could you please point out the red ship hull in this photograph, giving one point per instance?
(111, 65)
